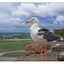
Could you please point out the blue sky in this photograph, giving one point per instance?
(14, 15)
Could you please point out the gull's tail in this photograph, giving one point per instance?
(61, 40)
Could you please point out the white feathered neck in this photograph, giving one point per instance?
(34, 26)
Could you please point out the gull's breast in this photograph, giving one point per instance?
(36, 38)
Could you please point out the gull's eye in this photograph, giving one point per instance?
(33, 19)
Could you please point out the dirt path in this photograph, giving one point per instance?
(11, 51)
(15, 39)
(8, 58)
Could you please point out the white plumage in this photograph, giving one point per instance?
(40, 35)
(45, 35)
(34, 31)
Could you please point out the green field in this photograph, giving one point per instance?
(13, 45)
(14, 35)
(14, 42)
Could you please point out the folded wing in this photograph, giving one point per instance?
(49, 36)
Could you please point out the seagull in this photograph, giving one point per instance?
(41, 35)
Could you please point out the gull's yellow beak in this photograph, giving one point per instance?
(27, 21)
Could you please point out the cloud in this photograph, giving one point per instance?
(52, 9)
(24, 9)
(42, 10)
(55, 22)
(20, 13)
(60, 18)
(14, 15)
(16, 19)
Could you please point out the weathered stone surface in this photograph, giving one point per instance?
(36, 48)
(34, 57)
(61, 56)
(58, 48)
(53, 52)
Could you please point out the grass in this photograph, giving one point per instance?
(12, 54)
(4, 41)
(14, 45)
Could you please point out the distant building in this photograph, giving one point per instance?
(59, 32)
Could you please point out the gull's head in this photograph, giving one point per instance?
(33, 20)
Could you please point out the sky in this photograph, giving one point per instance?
(14, 15)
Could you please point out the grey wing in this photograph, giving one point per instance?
(42, 31)
(48, 35)
(51, 37)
